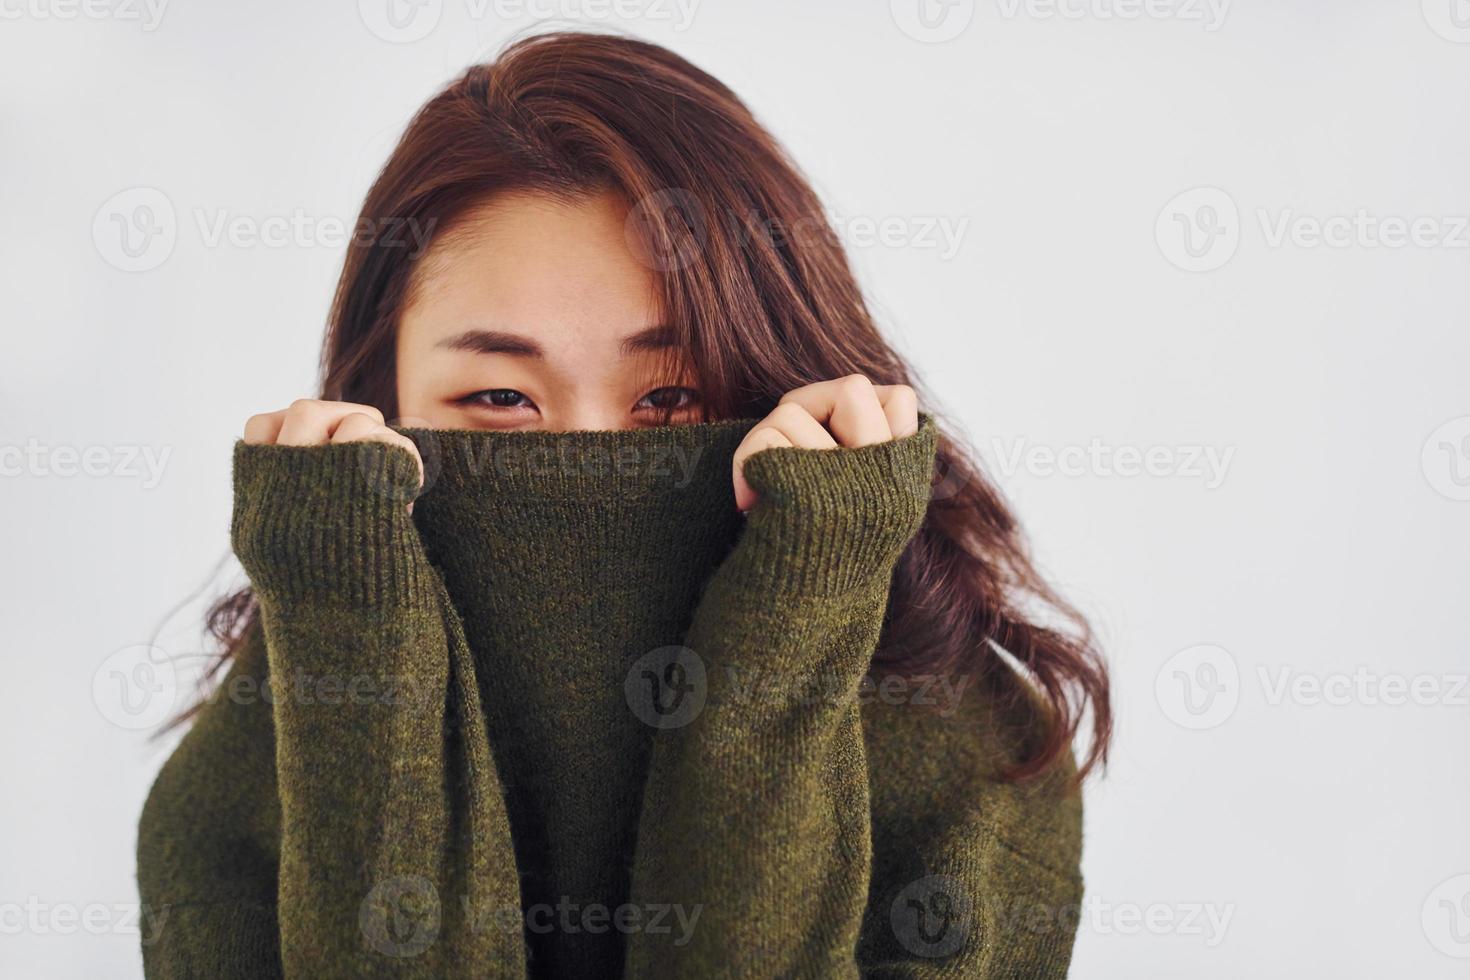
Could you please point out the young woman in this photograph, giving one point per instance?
(659, 633)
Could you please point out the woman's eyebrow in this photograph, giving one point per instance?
(659, 337)
(481, 341)
(478, 341)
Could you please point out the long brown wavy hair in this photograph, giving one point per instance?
(761, 296)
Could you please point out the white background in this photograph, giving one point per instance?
(1065, 310)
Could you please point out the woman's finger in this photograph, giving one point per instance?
(787, 425)
(848, 407)
(263, 428)
(361, 428)
(355, 427)
(798, 425)
(901, 408)
(761, 437)
(310, 422)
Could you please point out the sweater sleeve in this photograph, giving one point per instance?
(756, 826)
(974, 876)
(395, 853)
(209, 835)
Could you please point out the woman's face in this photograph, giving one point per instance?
(535, 313)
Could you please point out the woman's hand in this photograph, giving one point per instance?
(849, 412)
(315, 423)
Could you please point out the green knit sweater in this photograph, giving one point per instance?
(575, 716)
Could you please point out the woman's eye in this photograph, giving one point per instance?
(669, 399)
(499, 398)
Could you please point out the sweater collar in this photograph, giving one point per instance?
(512, 516)
(571, 557)
(596, 467)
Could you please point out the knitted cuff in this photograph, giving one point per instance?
(329, 523)
(831, 519)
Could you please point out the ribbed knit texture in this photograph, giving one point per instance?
(578, 717)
